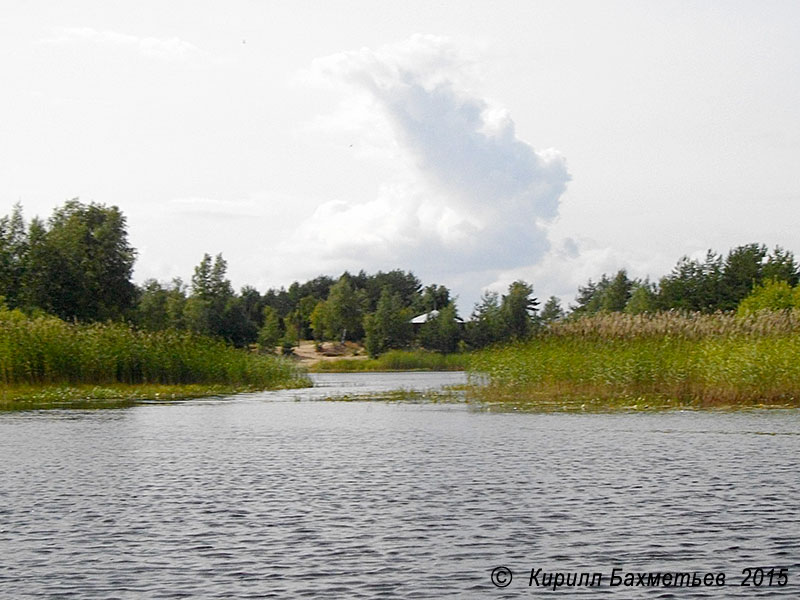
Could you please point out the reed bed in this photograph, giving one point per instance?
(638, 361)
(397, 360)
(46, 351)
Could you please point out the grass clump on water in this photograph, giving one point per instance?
(46, 352)
(655, 361)
(397, 360)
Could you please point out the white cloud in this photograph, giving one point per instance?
(571, 263)
(172, 48)
(215, 207)
(468, 195)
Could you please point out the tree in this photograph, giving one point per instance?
(552, 311)
(434, 297)
(300, 318)
(518, 310)
(253, 304)
(442, 331)
(692, 285)
(13, 256)
(151, 308)
(318, 319)
(642, 298)
(80, 265)
(781, 266)
(589, 297)
(388, 327)
(209, 279)
(270, 333)
(343, 314)
(741, 272)
(214, 309)
(617, 293)
(198, 315)
(176, 303)
(486, 326)
(235, 326)
(398, 282)
(770, 295)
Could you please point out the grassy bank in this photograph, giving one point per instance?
(665, 360)
(47, 354)
(397, 360)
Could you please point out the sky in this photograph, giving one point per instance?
(474, 142)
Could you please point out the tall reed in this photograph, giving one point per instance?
(672, 358)
(45, 350)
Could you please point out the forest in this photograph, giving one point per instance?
(78, 264)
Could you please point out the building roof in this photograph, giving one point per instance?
(424, 318)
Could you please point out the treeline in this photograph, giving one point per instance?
(78, 266)
(714, 284)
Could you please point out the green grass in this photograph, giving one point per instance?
(47, 354)
(645, 362)
(26, 397)
(397, 360)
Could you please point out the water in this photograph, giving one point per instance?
(262, 496)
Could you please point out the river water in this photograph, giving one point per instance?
(286, 495)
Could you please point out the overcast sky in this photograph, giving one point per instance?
(473, 143)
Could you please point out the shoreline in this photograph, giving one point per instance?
(35, 397)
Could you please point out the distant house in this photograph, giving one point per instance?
(420, 320)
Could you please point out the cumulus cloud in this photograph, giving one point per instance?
(172, 48)
(469, 195)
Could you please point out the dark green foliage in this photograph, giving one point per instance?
(781, 266)
(586, 301)
(252, 304)
(552, 311)
(742, 271)
(270, 332)
(13, 254)
(151, 308)
(692, 285)
(518, 310)
(79, 266)
(299, 319)
(213, 309)
(717, 284)
(343, 313)
(442, 331)
(406, 285)
(607, 295)
(617, 293)
(434, 297)
(388, 327)
(486, 326)
(643, 298)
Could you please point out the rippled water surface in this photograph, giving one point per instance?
(265, 496)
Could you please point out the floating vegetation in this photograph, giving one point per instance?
(454, 394)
